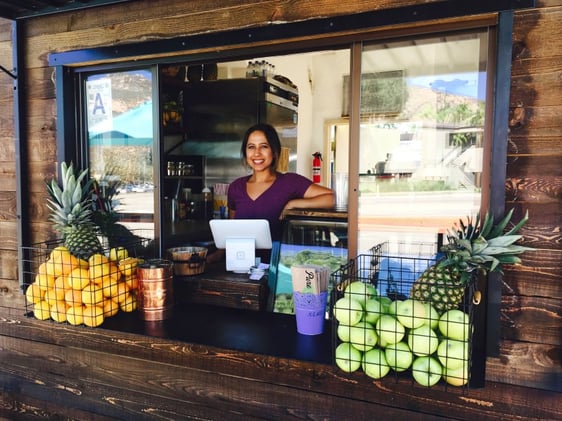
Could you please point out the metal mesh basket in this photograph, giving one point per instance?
(379, 330)
(62, 288)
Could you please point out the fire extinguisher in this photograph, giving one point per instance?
(316, 167)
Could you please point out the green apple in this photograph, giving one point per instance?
(393, 306)
(361, 291)
(374, 364)
(426, 370)
(423, 340)
(389, 329)
(452, 353)
(398, 356)
(363, 336)
(348, 358)
(455, 324)
(385, 301)
(382, 343)
(432, 316)
(456, 376)
(373, 310)
(411, 313)
(348, 311)
(343, 332)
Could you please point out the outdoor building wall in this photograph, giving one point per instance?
(529, 367)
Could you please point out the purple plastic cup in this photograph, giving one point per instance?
(310, 311)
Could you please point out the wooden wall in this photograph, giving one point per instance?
(531, 310)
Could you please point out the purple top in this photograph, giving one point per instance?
(270, 203)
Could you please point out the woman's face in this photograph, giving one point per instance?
(259, 154)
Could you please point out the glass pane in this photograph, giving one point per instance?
(421, 136)
(120, 146)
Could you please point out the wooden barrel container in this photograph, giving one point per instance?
(188, 261)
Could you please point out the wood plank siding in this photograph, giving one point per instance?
(50, 370)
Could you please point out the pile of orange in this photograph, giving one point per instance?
(68, 289)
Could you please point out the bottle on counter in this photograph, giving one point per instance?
(184, 205)
(207, 203)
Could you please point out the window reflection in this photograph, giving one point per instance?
(421, 136)
(120, 145)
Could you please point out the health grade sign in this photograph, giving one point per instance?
(99, 104)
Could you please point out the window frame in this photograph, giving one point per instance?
(70, 65)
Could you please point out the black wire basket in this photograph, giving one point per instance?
(60, 287)
(381, 330)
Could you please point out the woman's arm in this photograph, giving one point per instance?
(316, 196)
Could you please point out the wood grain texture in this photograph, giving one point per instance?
(534, 144)
(539, 275)
(94, 367)
(532, 319)
(9, 270)
(55, 369)
(534, 362)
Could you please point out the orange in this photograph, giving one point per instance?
(97, 259)
(122, 292)
(93, 316)
(74, 315)
(42, 269)
(129, 303)
(42, 310)
(53, 268)
(132, 282)
(92, 295)
(57, 251)
(58, 311)
(99, 271)
(128, 266)
(110, 287)
(34, 293)
(53, 295)
(63, 260)
(73, 297)
(78, 278)
(61, 284)
(83, 263)
(110, 307)
(44, 281)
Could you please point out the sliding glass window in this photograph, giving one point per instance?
(421, 136)
(119, 126)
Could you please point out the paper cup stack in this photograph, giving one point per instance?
(310, 293)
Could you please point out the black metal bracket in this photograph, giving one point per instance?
(12, 75)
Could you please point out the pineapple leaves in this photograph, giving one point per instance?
(517, 227)
(487, 225)
(500, 227)
(478, 244)
(504, 241)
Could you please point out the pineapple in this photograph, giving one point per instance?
(478, 247)
(71, 212)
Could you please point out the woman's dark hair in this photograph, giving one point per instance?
(272, 138)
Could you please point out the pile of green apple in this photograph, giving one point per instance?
(378, 335)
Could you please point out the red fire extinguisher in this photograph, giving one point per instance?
(316, 167)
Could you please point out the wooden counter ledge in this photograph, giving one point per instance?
(265, 333)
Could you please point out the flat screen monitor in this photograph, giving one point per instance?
(240, 238)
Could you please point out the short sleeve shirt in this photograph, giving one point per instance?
(270, 203)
